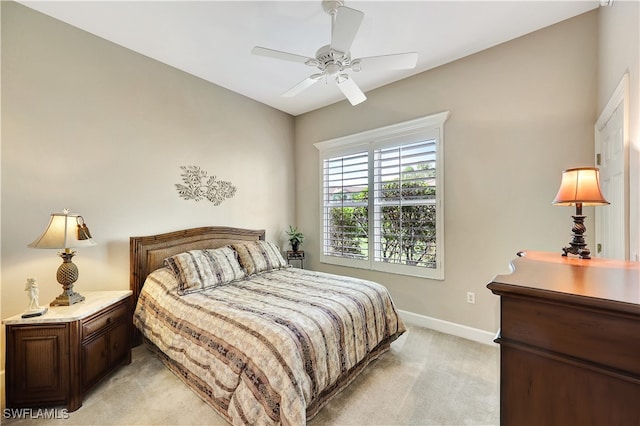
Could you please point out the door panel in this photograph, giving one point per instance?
(611, 157)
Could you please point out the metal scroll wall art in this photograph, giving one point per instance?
(197, 185)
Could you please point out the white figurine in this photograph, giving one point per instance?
(34, 309)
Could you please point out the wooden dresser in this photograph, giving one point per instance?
(569, 341)
(56, 358)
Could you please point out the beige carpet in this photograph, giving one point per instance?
(427, 378)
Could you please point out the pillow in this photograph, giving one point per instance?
(198, 270)
(259, 256)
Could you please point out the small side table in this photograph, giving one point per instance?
(296, 255)
(56, 358)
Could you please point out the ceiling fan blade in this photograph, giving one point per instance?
(398, 61)
(350, 89)
(304, 84)
(346, 25)
(270, 53)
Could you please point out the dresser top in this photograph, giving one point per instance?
(596, 281)
(94, 302)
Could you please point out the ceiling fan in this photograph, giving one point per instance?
(334, 60)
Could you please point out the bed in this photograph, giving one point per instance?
(257, 340)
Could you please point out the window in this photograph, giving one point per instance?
(382, 198)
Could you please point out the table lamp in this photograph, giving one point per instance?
(65, 231)
(579, 187)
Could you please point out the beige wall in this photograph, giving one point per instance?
(98, 129)
(520, 113)
(619, 53)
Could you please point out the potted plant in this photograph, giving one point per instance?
(295, 237)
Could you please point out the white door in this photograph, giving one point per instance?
(611, 229)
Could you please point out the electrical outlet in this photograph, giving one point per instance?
(471, 297)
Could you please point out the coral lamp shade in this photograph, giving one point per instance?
(64, 231)
(580, 186)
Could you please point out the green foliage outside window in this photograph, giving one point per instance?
(407, 228)
(349, 227)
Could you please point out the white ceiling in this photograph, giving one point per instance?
(213, 39)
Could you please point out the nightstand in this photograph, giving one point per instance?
(296, 255)
(54, 359)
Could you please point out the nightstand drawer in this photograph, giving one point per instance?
(106, 343)
(94, 325)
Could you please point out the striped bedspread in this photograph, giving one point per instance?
(272, 349)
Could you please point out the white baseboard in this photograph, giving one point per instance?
(470, 333)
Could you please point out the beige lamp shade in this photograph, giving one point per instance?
(62, 233)
(580, 186)
(65, 231)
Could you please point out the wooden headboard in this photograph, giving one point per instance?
(148, 253)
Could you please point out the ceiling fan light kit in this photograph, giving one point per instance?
(334, 60)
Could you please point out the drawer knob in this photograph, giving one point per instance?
(109, 320)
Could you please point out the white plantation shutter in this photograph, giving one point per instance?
(345, 228)
(382, 199)
(404, 204)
